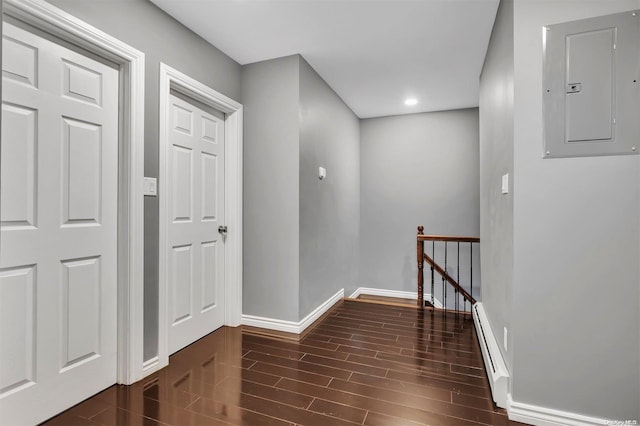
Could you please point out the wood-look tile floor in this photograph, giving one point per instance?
(363, 364)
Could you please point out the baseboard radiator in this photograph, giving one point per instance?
(494, 363)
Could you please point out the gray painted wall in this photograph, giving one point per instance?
(270, 95)
(329, 209)
(301, 234)
(575, 313)
(496, 159)
(162, 39)
(414, 169)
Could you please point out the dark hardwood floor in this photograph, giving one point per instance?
(363, 364)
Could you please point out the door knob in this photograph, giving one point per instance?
(222, 230)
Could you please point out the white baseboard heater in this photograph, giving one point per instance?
(493, 361)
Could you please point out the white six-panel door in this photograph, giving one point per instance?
(58, 241)
(195, 249)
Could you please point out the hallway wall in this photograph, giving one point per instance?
(418, 169)
(329, 208)
(301, 234)
(270, 93)
(576, 245)
(496, 159)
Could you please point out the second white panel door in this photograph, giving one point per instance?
(195, 191)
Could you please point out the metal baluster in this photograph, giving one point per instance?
(433, 257)
(457, 295)
(464, 299)
(444, 286)
(471, 267)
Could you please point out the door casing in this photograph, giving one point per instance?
(45, 17)
(172, 79)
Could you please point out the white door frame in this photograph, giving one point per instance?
(171, 78)
(130, 61)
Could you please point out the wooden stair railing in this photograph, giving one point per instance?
(436, 268)
(449, 279)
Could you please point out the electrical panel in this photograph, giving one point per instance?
(591, 89)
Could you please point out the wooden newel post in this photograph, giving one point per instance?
(420, 258)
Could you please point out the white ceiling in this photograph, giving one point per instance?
(373, 53)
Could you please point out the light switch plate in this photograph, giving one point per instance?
(505, 183)
(505, 338)
(150, 186)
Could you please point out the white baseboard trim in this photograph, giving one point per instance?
(494, 363)
(543, 416)
(150, 363)
(392, 293)
(292, 326)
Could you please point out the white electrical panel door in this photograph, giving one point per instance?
(591, 81)
(195, 249)
(58, 237)
(590, 88)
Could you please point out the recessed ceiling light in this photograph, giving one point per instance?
(411, 102)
